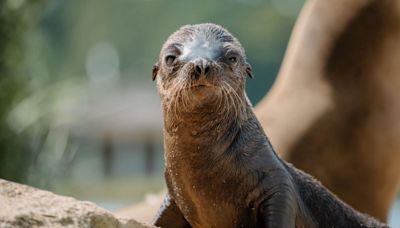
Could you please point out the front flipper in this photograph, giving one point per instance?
(169, 215)
(283, 209)
(278, 211)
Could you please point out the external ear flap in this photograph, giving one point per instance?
(249, 70)
(156, 67)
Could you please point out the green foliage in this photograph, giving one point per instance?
(14, 22)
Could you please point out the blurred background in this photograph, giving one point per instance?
(79, 114)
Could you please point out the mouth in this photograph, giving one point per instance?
(200, 86)
(202, 90)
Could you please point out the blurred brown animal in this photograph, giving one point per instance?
(334, 109)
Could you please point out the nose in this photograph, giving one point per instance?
(201, 66)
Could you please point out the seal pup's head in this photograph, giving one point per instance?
(202, 69)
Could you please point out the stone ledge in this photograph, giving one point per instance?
(24, 206)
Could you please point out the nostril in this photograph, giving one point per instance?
(206, 69)
(198, 69)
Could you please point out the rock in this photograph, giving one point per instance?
(24, 206)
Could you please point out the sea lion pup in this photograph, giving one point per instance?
(221, 170)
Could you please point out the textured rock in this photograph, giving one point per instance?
(24, 206)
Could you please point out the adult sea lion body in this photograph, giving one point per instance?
(334, 108)
(221, 170)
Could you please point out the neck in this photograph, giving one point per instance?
(211, 132)
(213, 143)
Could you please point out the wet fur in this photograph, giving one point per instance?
(221, 170)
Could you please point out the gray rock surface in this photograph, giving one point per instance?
(24, 206)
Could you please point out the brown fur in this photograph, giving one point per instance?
(221, 170)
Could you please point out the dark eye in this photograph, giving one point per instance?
(233, 59)
(169, 59)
